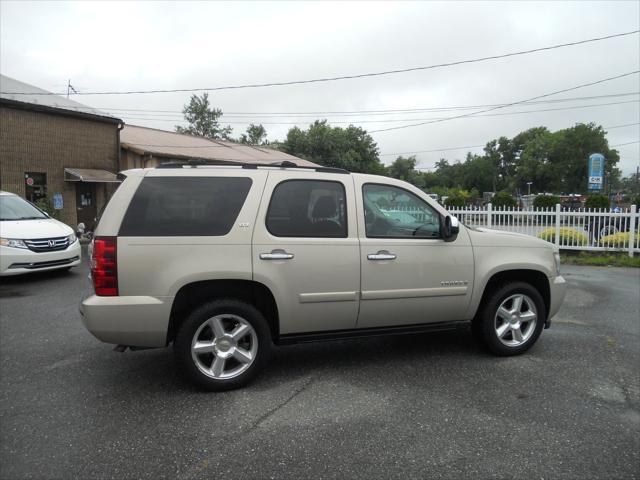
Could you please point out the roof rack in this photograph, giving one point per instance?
(196, 162)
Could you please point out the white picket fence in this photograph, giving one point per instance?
(590, 229)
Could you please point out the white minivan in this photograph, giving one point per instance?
(32, 241)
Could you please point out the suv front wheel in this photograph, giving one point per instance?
(511, 319)
(222, 344)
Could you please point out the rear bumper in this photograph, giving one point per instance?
(558, 290)
(133, 321)
(16, 261)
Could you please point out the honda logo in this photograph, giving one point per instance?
(52, 243)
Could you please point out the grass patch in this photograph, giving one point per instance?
(600, 259)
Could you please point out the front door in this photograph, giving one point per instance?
(86, 204)
(410, 275)
(305, 249)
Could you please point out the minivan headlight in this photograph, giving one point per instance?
(12, 242)
(72, 238)
(556, 258)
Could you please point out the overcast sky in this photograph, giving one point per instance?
(163, 45)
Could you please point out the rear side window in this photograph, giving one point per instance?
(308, 208)
(185, 206)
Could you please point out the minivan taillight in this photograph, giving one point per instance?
(104, 266)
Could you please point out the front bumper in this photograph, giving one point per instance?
(16, 261)
(138, 321)
(558, 290)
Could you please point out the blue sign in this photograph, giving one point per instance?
(57, 201)
(596, 171)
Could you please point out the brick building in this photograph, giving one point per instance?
(56, 148)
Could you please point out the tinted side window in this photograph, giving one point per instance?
(392, 212)
(185, 206)
(308, 208)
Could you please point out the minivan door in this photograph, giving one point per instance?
(410, 275)
(305, 249)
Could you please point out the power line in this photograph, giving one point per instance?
(509, 104)
(358, 112)
(622, 144)
(348, 77)
(620, 126)
(358, 122)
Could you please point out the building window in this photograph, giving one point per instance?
(35, 186)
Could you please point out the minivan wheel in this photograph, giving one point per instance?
(511, 319)
(222, 344)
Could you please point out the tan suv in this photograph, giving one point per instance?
(224, 261)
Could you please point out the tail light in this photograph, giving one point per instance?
(104, 266)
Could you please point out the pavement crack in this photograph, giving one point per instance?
(297, 391)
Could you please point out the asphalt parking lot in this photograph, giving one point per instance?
(422, 406)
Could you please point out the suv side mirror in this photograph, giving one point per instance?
(450, 228)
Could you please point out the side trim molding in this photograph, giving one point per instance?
(414, 293)
(327, 297)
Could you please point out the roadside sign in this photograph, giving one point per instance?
(596, 171)
(29, 181)
(58, 203)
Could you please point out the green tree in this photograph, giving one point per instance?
(404, 168)
(256, 135)
(203, 120)
(350, 148)
(570, 151)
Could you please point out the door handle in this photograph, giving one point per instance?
(382, 255)
(276, 255)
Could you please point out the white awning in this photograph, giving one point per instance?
(89, 175)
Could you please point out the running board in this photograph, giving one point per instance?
(293, 338)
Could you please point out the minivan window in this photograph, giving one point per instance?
(185, 206)
(308, 208)
(16, 208)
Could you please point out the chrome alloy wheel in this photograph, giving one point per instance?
(224, 346)
(515, 320)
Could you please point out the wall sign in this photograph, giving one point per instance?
(58, 202)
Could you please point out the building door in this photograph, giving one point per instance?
(35, 186)
(86, 204)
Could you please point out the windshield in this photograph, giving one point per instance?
(16, 208)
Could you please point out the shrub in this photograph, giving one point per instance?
(455, 200)
(545, 201)
(503, 199)
(636, 200)
(568, 236)
(45, 205)
(597, 201)
(619, 240)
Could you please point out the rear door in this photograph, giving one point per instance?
(305, 249)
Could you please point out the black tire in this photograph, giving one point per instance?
(188, 366)
(484, 325)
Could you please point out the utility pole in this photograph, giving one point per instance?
(70, 88)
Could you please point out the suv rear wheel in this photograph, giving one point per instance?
(511, 319)
(222, 344)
